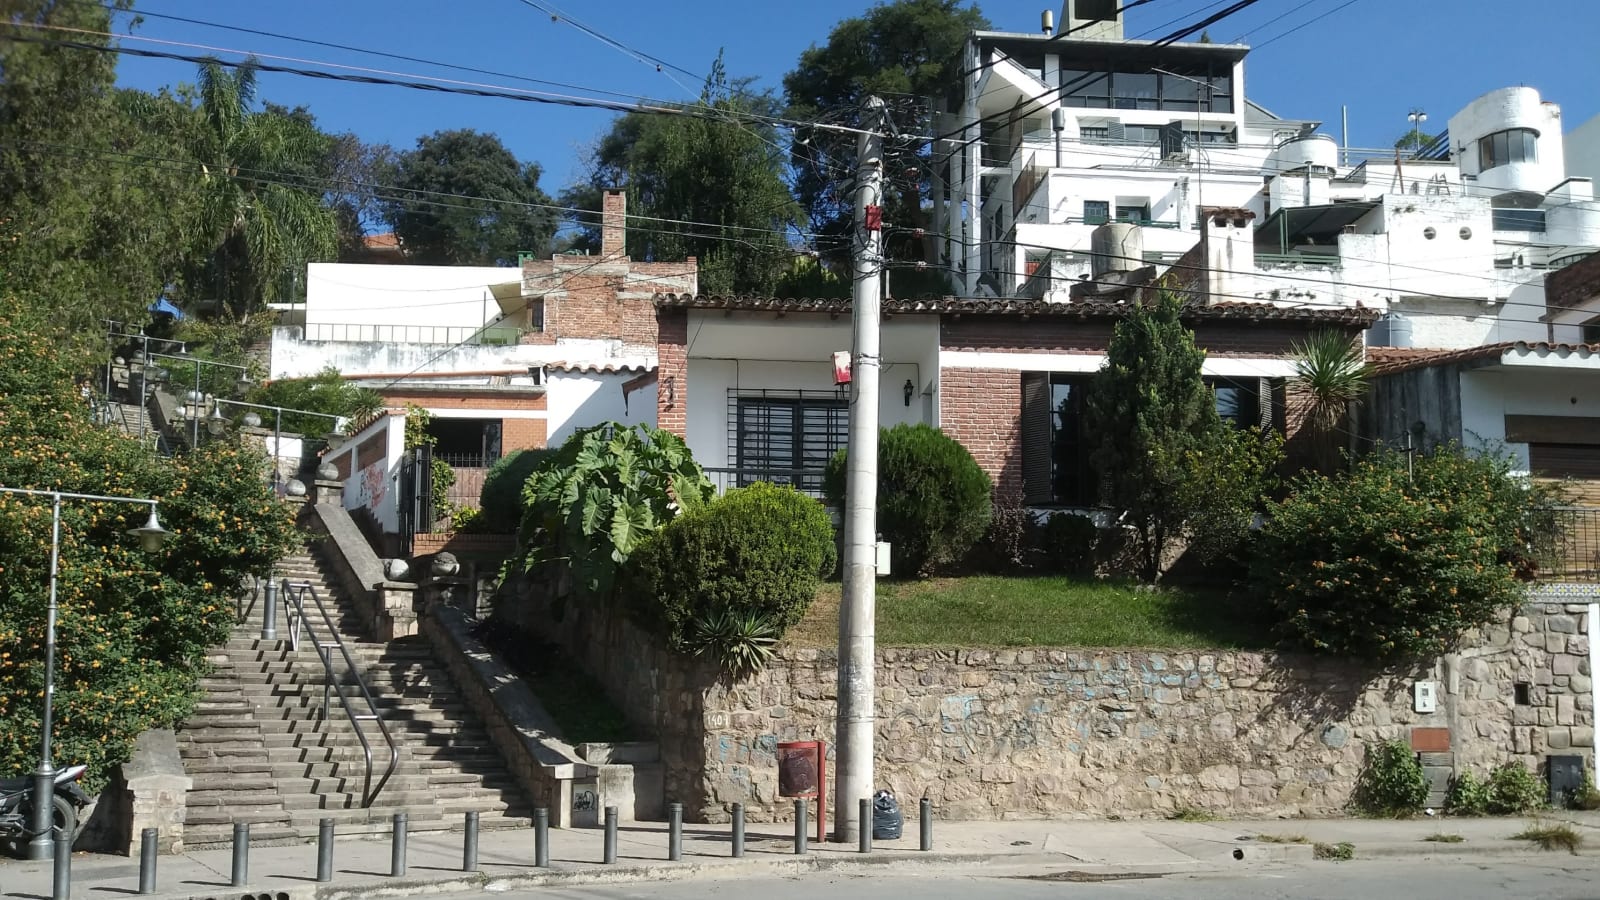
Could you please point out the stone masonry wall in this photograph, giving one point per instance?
(990, 734)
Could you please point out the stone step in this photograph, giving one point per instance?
(227, 815)
(235, 797)
(266, 834)
(230, 781)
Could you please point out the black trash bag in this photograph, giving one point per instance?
(887, 821)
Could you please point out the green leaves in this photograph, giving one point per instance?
(1331, 374)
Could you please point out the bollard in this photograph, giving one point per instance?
(611, 836)
(269, 610)
(241, 854)
(799, 827)
(674, 831)
(61, 884)
(738, 830)
(864, 823)
(147, 860)
(926, 811)
(325, 850)
(469, 843)
(397, 849)
(541, 838)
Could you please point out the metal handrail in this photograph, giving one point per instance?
(296, 592)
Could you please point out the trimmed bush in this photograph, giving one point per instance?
(933, 498)
(1066, 543)
(501, 498)
(727, 579)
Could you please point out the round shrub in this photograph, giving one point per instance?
(933, 499)
(1066, 543)
(501, 498)
(1514, 789)
(1392, 784)
(743, 568)
(1373, 564)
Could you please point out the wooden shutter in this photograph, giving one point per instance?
(1037, 484)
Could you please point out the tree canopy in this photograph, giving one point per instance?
(461, 198)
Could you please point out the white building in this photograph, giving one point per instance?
(1070, 130)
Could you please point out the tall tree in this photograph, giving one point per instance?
(709, 184)
(1151, 412)
(94, 191)
(464, 199)
(259, 221)
(348, 172)
(906, 51)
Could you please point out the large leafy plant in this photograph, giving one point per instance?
(592, 502)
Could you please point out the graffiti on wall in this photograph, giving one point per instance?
(374, 485)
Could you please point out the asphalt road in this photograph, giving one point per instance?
(1556, 876)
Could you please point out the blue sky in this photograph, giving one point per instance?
(1379, 57)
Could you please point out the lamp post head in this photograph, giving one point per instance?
(251, 420)
(217, 423)
(151, 535)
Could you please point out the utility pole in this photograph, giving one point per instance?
(853, 739)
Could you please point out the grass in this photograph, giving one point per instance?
(1555, 836)
(1341, 851)
(574, 699)
(1282, 838)
(1192, 814)
(993, 611)
(1442, 838)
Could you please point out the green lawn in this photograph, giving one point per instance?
(990, 611)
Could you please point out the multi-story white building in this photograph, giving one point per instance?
(1067, 131)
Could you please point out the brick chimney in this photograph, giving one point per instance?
(613, 224)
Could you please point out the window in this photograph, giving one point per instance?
(1096, 10)
(1513, 145)
(787, 437)
(1096, 212)
(1135, 90)
(1238, 400)
(1094, 132)
(1141, 134)
(1055, 451)
(1086, 88)
(1591, 331)
(1138, 215)
(1100, 85)
(468, 443)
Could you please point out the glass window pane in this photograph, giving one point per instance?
(1096, 212)
(1174, 88)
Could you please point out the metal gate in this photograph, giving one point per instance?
(416, 496)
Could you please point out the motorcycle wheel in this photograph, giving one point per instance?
(64, 818)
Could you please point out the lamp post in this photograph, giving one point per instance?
(151, 536)
(197, 397)
(1416, 117)
(217, 424)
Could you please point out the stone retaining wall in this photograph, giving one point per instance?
(992, 734)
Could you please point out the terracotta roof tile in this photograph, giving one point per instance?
(1357, 315)
(1391, 360)
(597, 368)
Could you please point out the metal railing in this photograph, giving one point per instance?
(492, 334)
(296, 592)
(1567, 544)
(806, 481)
(1303, 260)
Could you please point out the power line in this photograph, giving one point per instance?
(1272, 40)
(1275, 19)
(557, 15)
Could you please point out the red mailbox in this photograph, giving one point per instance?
(803, 773)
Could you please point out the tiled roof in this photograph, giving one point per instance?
(597, 368)
(1357, 315)
(1390, 360)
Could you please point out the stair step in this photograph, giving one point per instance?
(234, 798)
(227, 815)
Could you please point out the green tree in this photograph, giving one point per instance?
(466, 200)
(1150, 410)
(714, 168)
(326, 392)
(1330, 379)
(900, 49)
(259, 222)
(347, 172)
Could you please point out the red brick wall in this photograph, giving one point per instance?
(982, 408)
(672, 371)
(522, 434)
(602, 298)
(1570, 287)
(466, 400)
(613, 223)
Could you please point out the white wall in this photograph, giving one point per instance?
(377, 486)
(1583, 150)
(442, 296)
(1488, 396)
(295, 358)
(578, 400)
(1498, 110)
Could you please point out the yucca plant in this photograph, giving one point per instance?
(1331, 375)
(739, 641)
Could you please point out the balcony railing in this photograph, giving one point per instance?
(1297, 260)
(806, 481)
(363, 333)
(1567, 544)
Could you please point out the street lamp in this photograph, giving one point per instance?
(1416, 117)
(196, 397)
(151, 537)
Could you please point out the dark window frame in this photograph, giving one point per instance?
(763, 447)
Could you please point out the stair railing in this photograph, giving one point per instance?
(297, 593)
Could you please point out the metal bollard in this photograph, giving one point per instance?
(864, 821)
(927, 823)
(469, 843)
(269, 610)
(799, 827)
(61, 883)
(674, 831)
(611, 836)
(325, 850)
(738, 830)
(241, 854)
(147, 860)
(397, 849)
(541, 838)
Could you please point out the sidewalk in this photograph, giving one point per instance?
(361, 866)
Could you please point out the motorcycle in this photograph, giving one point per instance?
(16, 807)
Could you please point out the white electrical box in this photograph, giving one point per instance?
(1425, 696)
(881, 558)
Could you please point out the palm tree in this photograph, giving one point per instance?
(257, 226)
(1330, 381)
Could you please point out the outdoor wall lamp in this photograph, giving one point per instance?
(151, 537)
(910, 390)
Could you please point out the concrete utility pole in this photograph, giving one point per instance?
(857, 640)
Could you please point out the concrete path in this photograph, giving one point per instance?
(362, 867)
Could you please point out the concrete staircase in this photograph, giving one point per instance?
(260, 751)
